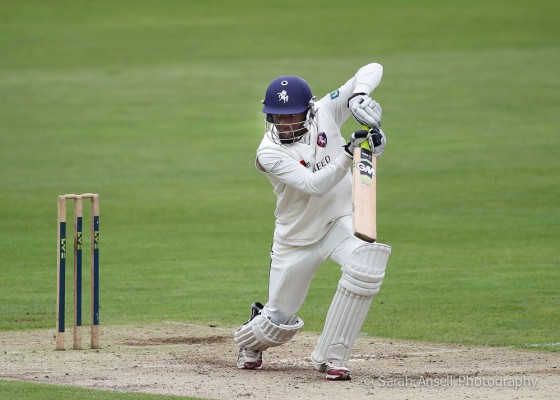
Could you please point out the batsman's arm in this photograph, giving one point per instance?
(291, 173)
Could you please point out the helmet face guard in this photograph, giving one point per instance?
(289, 133)
(288, 95)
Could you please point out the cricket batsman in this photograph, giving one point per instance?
(307, 162)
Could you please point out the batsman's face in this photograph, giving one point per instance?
(288, 125)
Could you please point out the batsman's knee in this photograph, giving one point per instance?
(364, 270)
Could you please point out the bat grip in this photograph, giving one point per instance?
(365, 143)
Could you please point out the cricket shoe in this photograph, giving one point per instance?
(337, 370)
(249, 359)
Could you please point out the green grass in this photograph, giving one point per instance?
(12, 390)
(156, 106)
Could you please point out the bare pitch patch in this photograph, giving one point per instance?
(210, 340)
(188, 360)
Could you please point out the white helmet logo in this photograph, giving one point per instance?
(283, 96)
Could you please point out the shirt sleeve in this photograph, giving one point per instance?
(293, 174)
(364, 81)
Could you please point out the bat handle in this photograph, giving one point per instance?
(365, 143)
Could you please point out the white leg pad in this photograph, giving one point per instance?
(361, 280)
(261, 333)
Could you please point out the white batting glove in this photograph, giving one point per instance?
(365, 110)
(355, 140)
(377, 141)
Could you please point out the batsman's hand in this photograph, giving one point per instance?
(365, 110)
(377, 141)
(376, 138)
(355, 140)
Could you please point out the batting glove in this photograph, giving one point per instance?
(376, 138)
(377, 141)
(355, 140)
(365, 110)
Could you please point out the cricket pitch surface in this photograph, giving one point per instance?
(175, 358)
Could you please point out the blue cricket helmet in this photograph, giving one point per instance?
(287, 94)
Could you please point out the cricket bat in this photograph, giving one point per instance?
(364, 192)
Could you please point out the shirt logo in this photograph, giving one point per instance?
(283, 96)
(334, 94)
(322, 140)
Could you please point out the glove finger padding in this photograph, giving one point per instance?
(360, 136)
(364, 118)
(377, 141)
(374, 111)
(356, 139)
(366, 111)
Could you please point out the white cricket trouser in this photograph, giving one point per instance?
(292, 268)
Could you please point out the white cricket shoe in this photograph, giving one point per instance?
(337, 370)
(249, 359)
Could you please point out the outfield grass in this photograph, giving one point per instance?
(156, 106)
(12, 390)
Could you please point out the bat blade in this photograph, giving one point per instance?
(364, 193)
